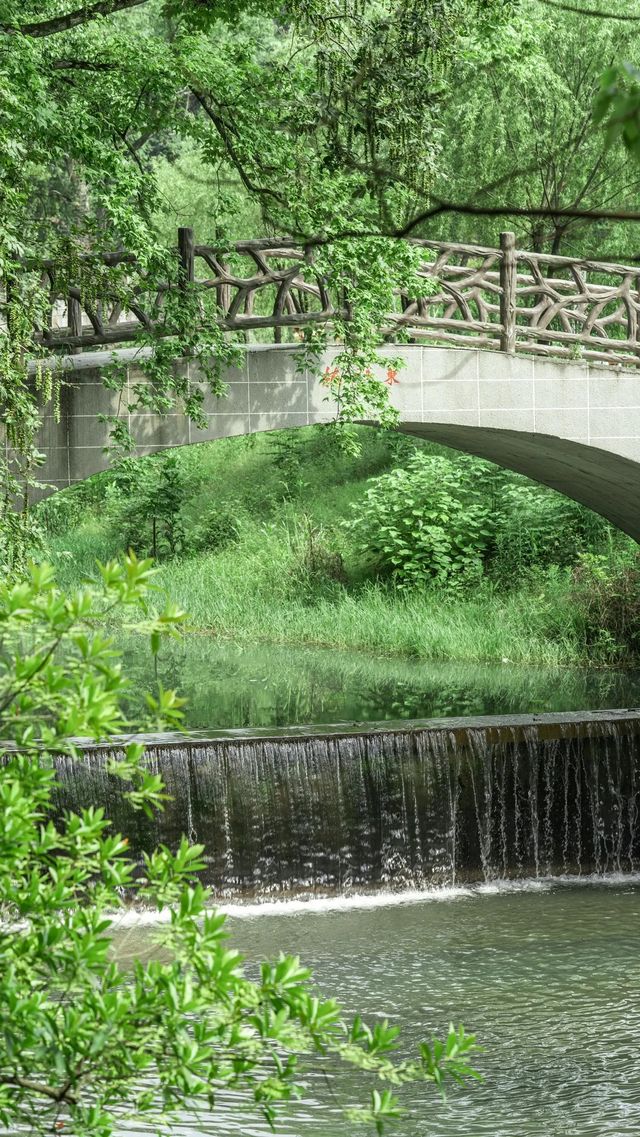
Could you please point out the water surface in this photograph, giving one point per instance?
(548, 977)
(238, 685)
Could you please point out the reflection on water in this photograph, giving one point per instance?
(549, 979)
(233, 685)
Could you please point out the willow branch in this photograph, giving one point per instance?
(74, 19)
(597, 12)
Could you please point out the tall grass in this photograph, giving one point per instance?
(261, 598)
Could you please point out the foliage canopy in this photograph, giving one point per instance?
(312, 119)
(448, 520)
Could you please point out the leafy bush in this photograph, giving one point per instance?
(287, 452)
(213, 531)
(85, 1046)
(447, 520)
(607, 595)
(144, 503)
(426, 523)
(67, 510)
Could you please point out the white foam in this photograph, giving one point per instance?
(291, 907)
(607, 880)
(503, 887)
(384, 899)
(347, 903)
(564, 880)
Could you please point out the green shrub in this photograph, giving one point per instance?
(287, 453)
(144, 504)
(426, 523)
(68, 510)
(88, 1046)
(448, 520)
(538, 527)
(213, 531)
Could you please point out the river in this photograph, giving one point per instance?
(546, 975)
(544, 971)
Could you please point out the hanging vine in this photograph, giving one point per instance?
(366, 274)
(26, 385)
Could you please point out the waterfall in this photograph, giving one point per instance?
(430, 803)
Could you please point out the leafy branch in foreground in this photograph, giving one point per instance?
(84, 1043)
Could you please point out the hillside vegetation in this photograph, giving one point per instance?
(403, 548)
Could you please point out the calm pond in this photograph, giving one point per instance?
(234, 685)
(548, 978)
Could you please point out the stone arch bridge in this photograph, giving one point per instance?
(572, 426)
(530, 361)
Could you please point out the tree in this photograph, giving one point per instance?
(328, 124)
(524, 129)
(325, 119)
(333, 122)
(83, 1044)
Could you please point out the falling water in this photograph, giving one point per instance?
(432, 803)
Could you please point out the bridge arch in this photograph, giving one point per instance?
(573, 426)
(605, 482)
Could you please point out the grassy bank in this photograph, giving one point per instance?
(248, 603)
(250, 540)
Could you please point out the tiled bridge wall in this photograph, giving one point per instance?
(572, 426)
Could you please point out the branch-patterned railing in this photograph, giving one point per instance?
(501, 298)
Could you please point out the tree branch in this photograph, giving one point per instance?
(222, 130)
(42, 663)
(73, 19)
(598, 12)
(39, 1088)
(466, 209)
(439, 208)
(81, 65)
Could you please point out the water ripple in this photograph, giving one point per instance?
(546, 973)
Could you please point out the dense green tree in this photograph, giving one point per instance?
(322, 117)
(522, 133)
(326, 111)
(337, 122)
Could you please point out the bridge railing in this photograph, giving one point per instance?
(468, 295)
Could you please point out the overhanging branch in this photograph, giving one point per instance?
(61, 1095)
(599, 13)
(74, 19)
(221, 127)
(439, 208)
(552, 212)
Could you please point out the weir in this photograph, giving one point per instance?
(394, 806)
